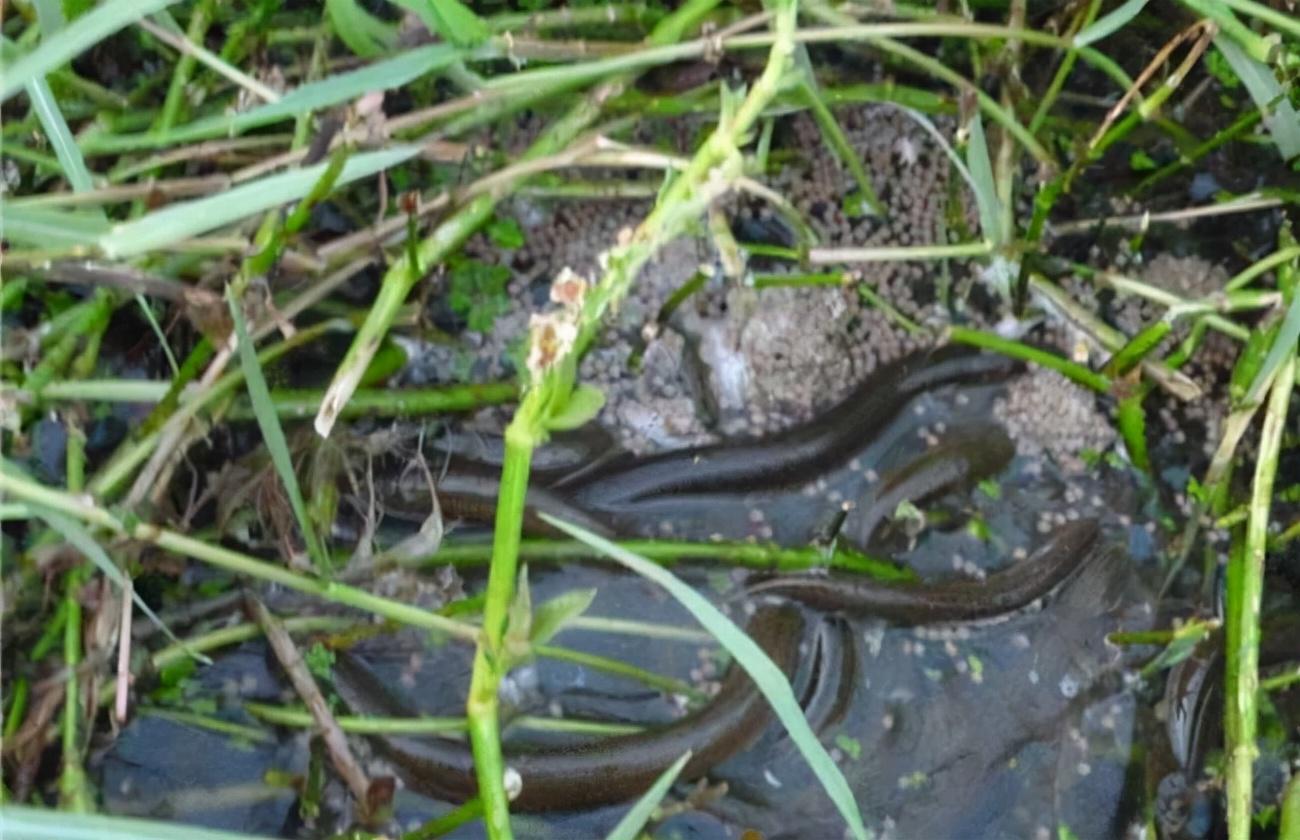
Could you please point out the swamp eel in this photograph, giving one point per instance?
(1007, 590)
(798, 455)
(962, 459)
(758, 487)
(590, 773)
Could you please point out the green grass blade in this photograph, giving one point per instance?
(985, 185)
(344, 87)
(1283, 346)
(192, 218)
(451, 19)
(273, 434)
(1279, 116)
(60, 137)
(77, 535)
(46, 228)
(747, 655)
(629, 828)
(364, 34)
(18, 822)
(79, 36)
(1109, 23)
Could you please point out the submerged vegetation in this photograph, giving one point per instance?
(259, 254)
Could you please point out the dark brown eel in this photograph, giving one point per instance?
(591, 773)
(1068, 548)
(798, 455)
(961, 459)
(615, 769)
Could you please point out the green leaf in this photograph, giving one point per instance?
(272, 434)
(364, 34)
(505, 233)
(1217, 66)
(629, 828)
(1280, 117)
(18, 822)
(79, 36)
(986, 192)
(550, 618)
(314, 96)
(451, 19)
(319, 660)
(55, 126)
(478, 292)
(1282, 347)
(519, 622)
(1109, 23)
(1140, 161)
(584, 403)
(46, 227)
(191, 218)
(851, 746)
(748, 655)
(1249, 360)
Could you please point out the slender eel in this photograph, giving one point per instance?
(797, 455)
(468, 491)
(1068, 548)
(590, 773)
(968, 455)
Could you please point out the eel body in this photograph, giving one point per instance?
(1068, 548)
(591, 773)
(798, 455)
(723, 481)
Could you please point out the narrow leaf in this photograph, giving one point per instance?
(364, 34)
(192, 218)
(19, 822)
(1109, 23)
(1280, 117)
(269, 422)
(629, 828)
(550, 618)
(451, 19)
(748, 655)
(1284, 346)
(986, 191)
(583, 405)
(43, 227)
(76, 38)
(384, 75)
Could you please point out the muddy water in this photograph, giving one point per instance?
(1009, 728)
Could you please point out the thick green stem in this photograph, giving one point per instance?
(73, 795)
(490, 660)
(1242, 647)
(713, 169)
